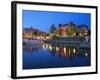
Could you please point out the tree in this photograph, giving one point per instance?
(58, 30)
(53, 29)
(77, 33)
(72, 30)
(59, 25)
(89, 32)
(35, 33)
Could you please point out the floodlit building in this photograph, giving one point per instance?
(71, 30)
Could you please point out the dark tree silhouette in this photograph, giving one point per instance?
(52, 29)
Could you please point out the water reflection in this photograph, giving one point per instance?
(54, 55)
(62, 51)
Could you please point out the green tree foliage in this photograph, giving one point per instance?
(72, 30)
(59, 30)
(52, 29)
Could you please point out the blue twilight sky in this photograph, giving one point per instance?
(43, 20)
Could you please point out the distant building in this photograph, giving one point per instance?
(83, 30)
(71, 30)
(27, 33)
(31, 33)
(64, 30)
(67, 30)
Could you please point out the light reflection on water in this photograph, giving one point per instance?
(52, 55)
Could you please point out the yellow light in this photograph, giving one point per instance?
(45, 46)
(50, 47)
(86, 54)
(74, 34)
(69, 52)
(74, 50)
(57, 49)
(64, 50)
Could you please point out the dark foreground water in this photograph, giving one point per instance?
(54, 56)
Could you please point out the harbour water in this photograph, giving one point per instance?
(55, 56)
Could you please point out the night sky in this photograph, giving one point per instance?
(42, 20)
